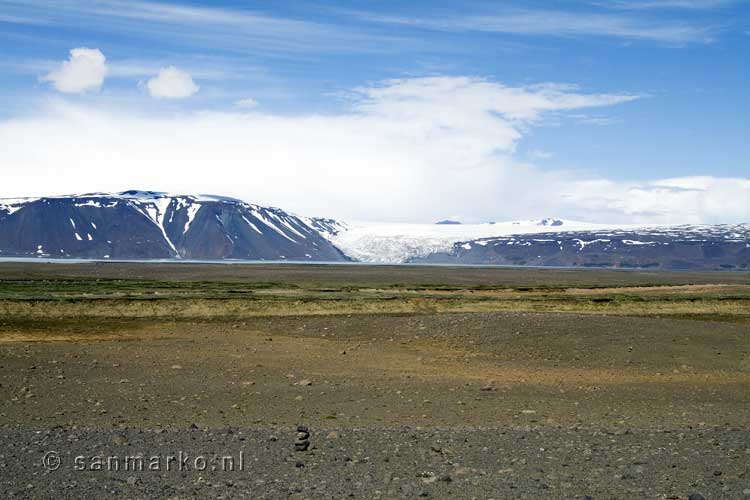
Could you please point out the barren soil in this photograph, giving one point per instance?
(481, 403)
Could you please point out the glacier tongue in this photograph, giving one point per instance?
(385, 243)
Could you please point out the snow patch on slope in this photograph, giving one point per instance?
(192, 210)
(258, 214)
(155, 209)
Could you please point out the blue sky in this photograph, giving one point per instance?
(677, 71)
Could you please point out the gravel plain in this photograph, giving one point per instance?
(564, 463)
(482, 405)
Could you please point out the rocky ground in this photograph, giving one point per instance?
(561, 463)
(395, 406)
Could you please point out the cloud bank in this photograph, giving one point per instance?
(84, 71)
(418, 149)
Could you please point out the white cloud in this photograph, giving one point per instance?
(409, 150)
(172, 83)
(82, 72)
(247, 103)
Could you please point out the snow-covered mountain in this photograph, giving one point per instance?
(700, 247)
(154, 225)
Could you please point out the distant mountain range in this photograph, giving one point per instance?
(148, 225)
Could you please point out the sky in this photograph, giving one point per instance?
(627, 111)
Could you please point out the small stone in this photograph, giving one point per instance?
(132, 480)
(305, 382)
(717, 473)
(302, 428)
(176, 367)
(445, 478)
(299, 464)
(193, 427)
(333, 435)
(119, 439)
(696, 496)
(303, 435)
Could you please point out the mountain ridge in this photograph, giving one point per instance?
(154, 225)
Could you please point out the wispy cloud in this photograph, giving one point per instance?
(558, 23)
(538, 154)
(232, 30)
(594, 120)
(665, 4)
(246, 103)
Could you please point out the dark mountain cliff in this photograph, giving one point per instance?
(150, 225)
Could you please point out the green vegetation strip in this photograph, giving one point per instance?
(120, 298)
